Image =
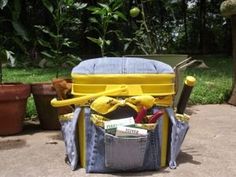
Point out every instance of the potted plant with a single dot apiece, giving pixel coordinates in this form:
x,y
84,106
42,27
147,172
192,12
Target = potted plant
x,y
54,45
13,99
13,96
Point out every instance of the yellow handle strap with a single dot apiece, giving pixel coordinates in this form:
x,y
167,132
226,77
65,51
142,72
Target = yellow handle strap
x,y
83,100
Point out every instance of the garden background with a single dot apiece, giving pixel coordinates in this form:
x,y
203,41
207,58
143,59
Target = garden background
x,y
43,39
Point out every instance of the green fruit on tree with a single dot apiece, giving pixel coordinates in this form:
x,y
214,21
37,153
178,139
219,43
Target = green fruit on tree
x,y
134,12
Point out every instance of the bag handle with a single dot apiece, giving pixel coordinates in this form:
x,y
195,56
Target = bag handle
x,y
83,100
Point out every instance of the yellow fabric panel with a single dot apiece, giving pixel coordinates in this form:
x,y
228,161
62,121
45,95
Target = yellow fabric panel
x,y
150,89
82,139
164,143
122,78
165,101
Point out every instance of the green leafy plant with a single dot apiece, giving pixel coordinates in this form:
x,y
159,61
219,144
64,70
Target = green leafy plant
x,y
104,15
18,30
151,32
142,39
5,55
56,44
3,3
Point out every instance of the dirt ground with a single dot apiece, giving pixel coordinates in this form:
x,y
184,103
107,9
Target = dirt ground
x,y
209,149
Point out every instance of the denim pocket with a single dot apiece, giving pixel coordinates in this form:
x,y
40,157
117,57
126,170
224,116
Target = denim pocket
x,y
124,153
106,153
103,156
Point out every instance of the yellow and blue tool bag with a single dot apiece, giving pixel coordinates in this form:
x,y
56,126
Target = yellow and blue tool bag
x,y
123,118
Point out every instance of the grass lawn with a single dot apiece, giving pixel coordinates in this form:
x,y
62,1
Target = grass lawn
x,y
213,83
29,75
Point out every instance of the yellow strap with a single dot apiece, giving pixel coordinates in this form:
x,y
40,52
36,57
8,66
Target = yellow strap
x,y
104,104
81,101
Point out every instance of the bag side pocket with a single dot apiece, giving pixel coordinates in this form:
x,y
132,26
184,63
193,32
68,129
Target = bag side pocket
x,y
178,132
69,133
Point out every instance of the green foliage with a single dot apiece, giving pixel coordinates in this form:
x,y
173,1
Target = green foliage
x,y
3,3
13,27
66,26
5,54
178,27
103,16
55,40
15,10
154,29
142,39
30,108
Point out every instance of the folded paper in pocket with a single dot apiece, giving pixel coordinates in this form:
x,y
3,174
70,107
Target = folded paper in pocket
x,y
111,125
122,131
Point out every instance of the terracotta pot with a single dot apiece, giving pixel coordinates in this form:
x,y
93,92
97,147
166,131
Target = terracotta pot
x,y
13,99
43,93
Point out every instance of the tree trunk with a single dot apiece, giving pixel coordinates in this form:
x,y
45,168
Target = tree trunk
x,y
232,99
